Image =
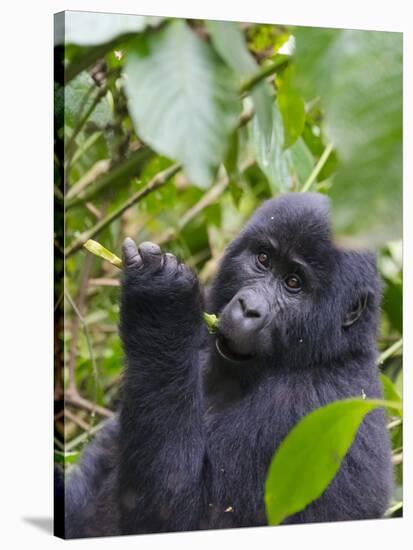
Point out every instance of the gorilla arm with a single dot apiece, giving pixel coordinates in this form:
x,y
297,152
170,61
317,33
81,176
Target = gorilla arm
x,y
161,441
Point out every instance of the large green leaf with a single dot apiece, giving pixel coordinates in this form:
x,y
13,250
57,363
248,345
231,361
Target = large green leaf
x,y
89,29
309,457
183,99
229,42
358,75
286,169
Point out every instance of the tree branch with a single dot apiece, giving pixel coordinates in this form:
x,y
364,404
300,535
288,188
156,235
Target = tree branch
x,y
158,181
121,173
389,351
279,64
317,168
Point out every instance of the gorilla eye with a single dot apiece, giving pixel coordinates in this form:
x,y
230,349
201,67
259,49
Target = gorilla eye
x,y
293,283
263,259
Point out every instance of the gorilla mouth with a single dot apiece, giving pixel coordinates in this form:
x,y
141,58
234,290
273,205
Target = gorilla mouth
x,y
226,352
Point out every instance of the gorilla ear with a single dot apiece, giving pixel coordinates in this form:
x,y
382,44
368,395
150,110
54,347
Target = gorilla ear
x,y
356,311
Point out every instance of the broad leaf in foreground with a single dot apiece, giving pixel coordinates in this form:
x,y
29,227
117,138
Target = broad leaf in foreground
x,y
358,76
309,457
182,98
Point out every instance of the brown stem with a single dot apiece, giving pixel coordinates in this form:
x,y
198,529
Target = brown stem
x,y
76,323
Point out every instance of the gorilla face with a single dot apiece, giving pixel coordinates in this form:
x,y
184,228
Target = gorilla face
x,y
284,290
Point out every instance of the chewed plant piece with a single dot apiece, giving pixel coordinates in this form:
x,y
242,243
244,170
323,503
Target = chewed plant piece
x,y
212,322
96,248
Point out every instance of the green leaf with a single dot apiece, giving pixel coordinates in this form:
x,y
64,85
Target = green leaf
x,y
292,109
69,457
271,159
392,303
79,96
309,457
229,42
389,389
89,29
286,169
358,76
301,162
182,98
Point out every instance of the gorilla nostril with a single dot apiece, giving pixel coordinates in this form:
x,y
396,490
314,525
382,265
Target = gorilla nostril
x,y
247,310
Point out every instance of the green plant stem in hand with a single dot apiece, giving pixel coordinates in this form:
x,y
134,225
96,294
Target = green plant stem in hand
x,y
96,248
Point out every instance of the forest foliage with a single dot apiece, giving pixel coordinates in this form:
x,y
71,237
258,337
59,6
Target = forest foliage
x,y
174,131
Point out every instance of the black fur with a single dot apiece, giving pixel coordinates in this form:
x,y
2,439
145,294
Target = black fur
x,y
202,415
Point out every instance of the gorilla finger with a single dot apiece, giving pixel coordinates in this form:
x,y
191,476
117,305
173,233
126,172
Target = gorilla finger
x,y
151,255
130,253
171,261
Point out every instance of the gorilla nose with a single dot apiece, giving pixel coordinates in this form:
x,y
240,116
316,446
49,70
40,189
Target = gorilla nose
x,y
250,310
242,320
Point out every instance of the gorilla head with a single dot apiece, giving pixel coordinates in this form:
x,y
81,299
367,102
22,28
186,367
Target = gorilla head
x,y
287,295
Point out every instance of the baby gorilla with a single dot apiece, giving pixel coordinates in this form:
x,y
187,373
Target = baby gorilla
x,y
202,415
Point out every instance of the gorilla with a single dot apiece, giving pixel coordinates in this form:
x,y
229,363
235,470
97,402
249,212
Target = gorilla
x,y
201,415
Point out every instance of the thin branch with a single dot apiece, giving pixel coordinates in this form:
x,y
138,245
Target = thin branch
x,y
59,444
82,438
281,62
393,509
317,168
72,396
80,402
158,181
76,323
394,423
120,174
104,281
211,196
77,420
98,169
390,351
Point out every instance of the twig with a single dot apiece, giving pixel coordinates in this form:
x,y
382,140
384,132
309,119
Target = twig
x,y
158,181
394,423
98,169
210,196
84,436
121,173
317,168
77,420
389,351
78,401
72,396
206,200
281,62
59,444
393,509
77,319
104,281
397,459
